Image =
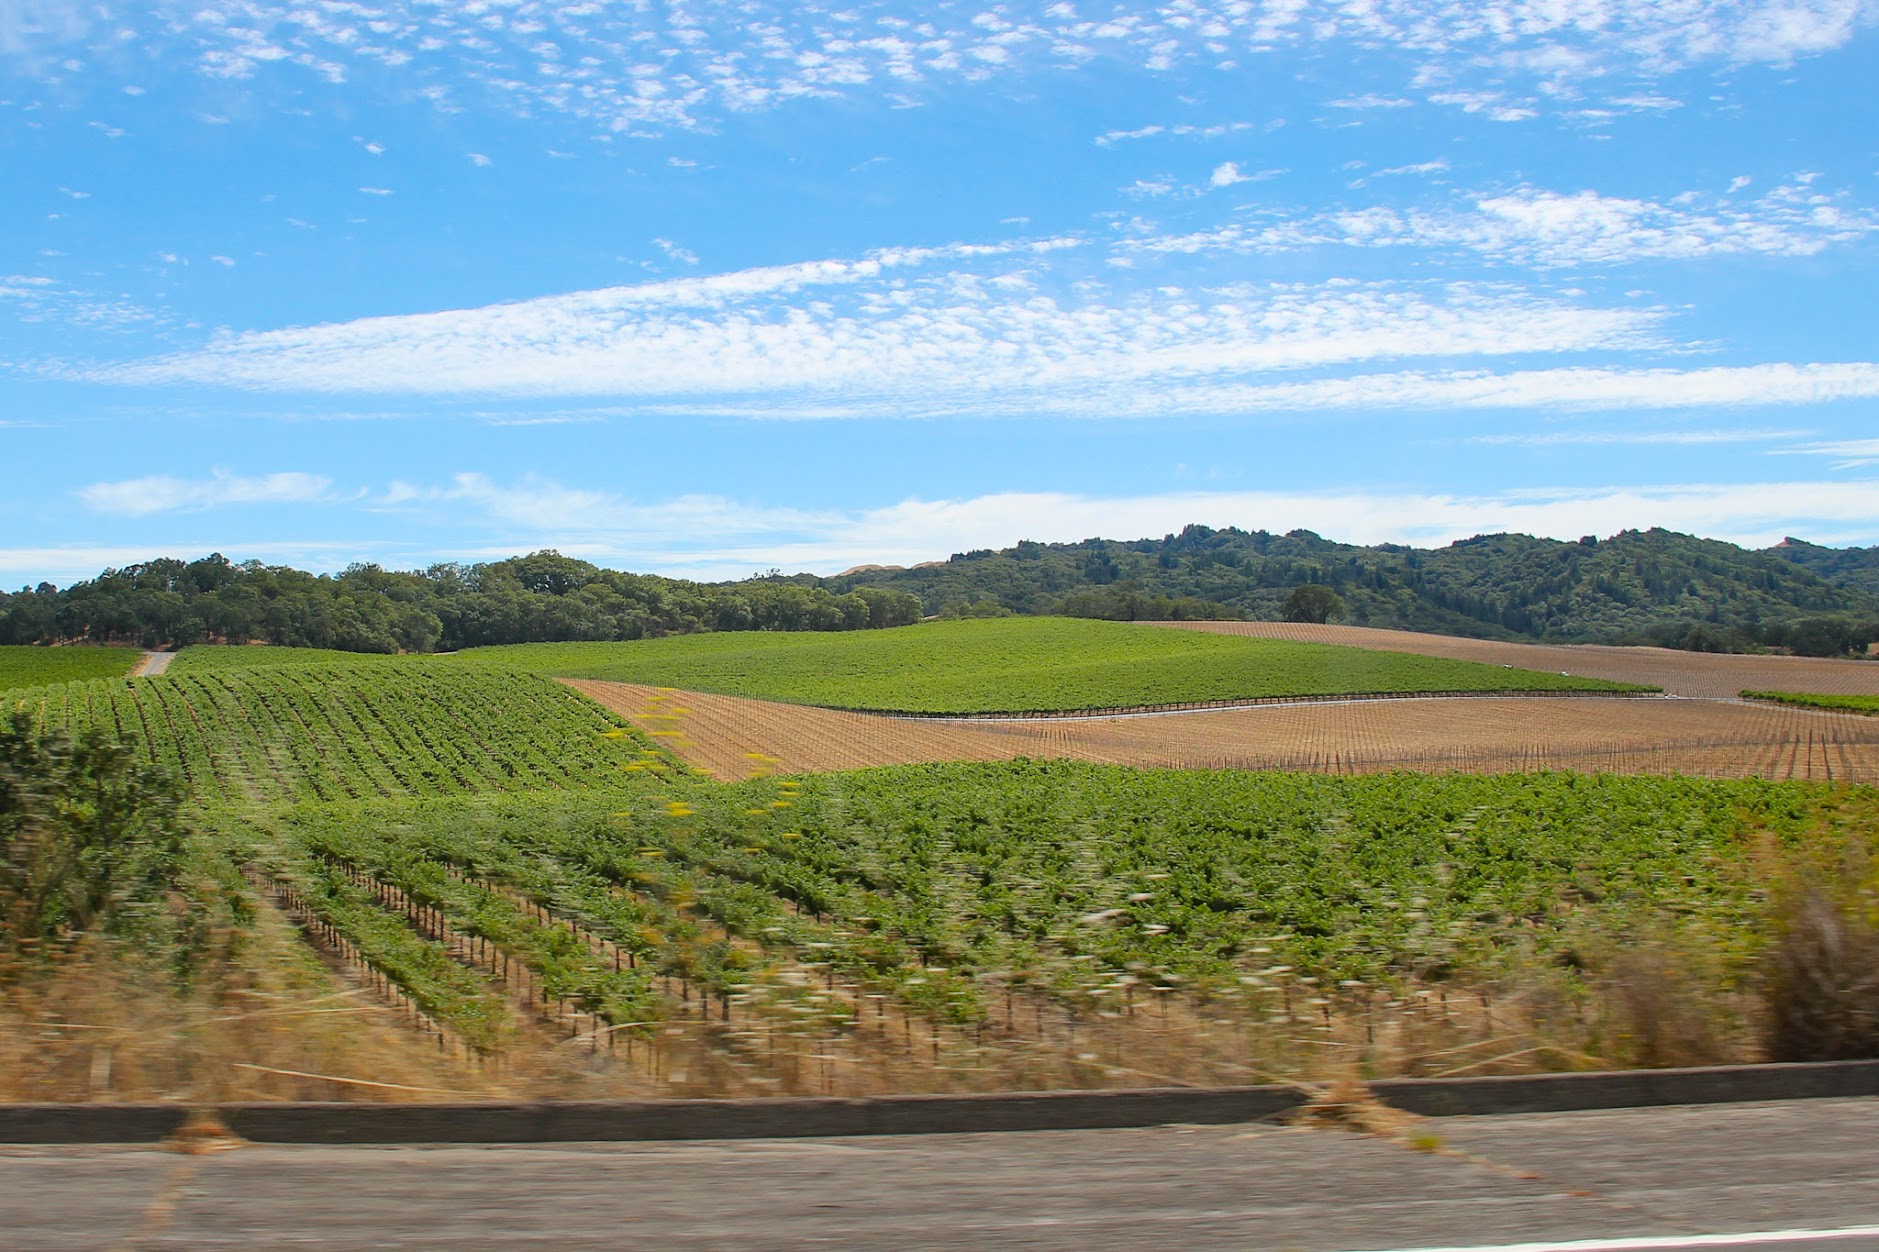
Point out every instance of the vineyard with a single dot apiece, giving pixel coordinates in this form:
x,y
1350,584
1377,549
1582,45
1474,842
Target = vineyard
x,y
1697,674
1014,665
588,887
26,666
975,926
292,732
1868,705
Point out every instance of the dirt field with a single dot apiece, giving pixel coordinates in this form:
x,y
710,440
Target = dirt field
x,y
1476,735
1679,673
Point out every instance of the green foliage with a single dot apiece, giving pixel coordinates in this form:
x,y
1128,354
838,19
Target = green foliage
x,y
1081,881
1314,604
1637,586
1015,664
1848,704
90,838
1634,584
25,665
1851,567
985,608
454,995
212,659
1124,602
543,596
362,727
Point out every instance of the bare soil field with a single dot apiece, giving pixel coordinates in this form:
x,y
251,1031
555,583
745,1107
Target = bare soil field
x,y
1696,674
734,737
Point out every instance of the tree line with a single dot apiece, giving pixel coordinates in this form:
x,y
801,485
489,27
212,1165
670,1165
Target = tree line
x,y
543,597
1638,586
1642,587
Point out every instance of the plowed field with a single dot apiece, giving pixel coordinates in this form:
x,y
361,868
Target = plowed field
x,y
1679,673
1475,735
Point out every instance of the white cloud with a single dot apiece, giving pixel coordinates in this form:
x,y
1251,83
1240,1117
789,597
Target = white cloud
x,y
1575,389
1372,101
1551,230
1437,166
1186,130
161,493
640,68
683,256
1225,175
1604,438
965,329
1847,453
376,191
715,537
37,298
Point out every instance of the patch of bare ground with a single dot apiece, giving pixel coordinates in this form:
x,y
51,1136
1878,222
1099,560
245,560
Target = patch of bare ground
x,y
727,735
1697,674
1472,735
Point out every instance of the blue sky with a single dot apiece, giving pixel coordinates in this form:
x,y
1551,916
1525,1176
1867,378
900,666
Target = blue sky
x,y
712,288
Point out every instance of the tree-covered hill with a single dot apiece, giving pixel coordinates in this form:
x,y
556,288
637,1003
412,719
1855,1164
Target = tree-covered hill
x,y
543,597
1643,586
1650,586
1853,567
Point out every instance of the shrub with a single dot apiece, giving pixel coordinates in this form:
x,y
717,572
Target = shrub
x,y
1823,979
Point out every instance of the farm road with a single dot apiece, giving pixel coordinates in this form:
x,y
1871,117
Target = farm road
x,y
1667,1172
153,663
1695,674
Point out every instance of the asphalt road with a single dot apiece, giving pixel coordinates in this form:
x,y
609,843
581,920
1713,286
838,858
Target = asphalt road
x,y
1675,1177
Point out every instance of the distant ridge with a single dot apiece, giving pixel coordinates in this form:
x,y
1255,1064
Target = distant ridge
x,y
1651,586
1639,586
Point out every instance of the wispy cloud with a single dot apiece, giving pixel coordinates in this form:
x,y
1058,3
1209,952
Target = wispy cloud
x,y
37,298
161,493
719,537
1606,438
1183,130
966,329
639,68
1576,389
1551,230
1847,453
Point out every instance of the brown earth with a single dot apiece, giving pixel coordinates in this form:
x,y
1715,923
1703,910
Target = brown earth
x,y
1679,673
735,737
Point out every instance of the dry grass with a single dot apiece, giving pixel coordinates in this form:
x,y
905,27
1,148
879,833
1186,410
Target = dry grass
x,y
1823,978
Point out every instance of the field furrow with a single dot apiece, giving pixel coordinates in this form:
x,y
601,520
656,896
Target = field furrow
x,y
732,737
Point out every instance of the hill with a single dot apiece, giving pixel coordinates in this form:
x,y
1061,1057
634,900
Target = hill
x,y
1851,567
1652,586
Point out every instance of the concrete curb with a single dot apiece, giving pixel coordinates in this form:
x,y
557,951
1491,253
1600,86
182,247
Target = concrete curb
x,y
1629,1089
784,1118
567,1121
89,1123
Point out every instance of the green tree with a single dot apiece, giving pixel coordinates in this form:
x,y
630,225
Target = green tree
x,y
1313,603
